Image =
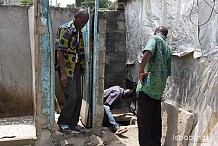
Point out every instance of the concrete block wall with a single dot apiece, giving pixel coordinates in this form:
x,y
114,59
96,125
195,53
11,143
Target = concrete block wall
x,y
115,44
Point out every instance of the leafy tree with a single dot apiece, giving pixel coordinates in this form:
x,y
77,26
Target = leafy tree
x,y
70,6
27,2
88,3
78,3
91,3
104,3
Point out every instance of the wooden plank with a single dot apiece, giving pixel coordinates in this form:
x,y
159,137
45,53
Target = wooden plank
x,y
36,55
85,80
84,112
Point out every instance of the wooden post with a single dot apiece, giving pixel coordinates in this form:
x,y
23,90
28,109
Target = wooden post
x,y
36,52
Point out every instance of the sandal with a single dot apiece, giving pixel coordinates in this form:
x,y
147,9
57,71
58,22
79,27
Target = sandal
x,y
65,129
79,128
121,131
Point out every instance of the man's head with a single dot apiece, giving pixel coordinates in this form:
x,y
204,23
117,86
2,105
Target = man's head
x,y
127,93
161,30
81,18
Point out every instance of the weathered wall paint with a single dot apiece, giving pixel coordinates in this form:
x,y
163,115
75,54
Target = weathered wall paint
x,y
15,62
45,74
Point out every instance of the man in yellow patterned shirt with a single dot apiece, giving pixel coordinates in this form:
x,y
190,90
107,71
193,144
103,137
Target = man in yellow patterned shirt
x,y
71,65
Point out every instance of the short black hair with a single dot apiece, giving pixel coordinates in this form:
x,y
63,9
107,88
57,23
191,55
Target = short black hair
x,y
162,30
129,93
82,13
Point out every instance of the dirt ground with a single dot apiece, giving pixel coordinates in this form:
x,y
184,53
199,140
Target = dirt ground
x,y
108,138
129,138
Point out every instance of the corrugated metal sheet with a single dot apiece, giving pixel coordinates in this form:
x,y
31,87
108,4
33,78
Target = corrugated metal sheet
x,y
192,30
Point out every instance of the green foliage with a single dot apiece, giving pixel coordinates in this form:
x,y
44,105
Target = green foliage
x,y
91,3
27,2
78,3
88,3
70,6
104,3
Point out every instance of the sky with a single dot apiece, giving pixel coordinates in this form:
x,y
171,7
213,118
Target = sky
x,y
65,2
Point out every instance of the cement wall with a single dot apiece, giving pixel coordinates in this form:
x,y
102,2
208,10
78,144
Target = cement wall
x,y
11,2
115,69
15,62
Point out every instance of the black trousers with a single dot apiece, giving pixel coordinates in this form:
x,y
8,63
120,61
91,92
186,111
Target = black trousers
x,y
73,99
149,120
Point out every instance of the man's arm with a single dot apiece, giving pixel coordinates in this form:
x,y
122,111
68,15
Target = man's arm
x,y
81,55
148,51
145,59
61,46
63,76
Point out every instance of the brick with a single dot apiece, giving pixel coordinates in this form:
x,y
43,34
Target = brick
x,y
102,15
115,79
101,57
118,57
101,71
115,68
102,42
116,15
119,37
111,26
102,26
120,47
121,26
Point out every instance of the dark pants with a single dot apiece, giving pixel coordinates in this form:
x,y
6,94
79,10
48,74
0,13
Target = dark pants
x,y
73,99
149,120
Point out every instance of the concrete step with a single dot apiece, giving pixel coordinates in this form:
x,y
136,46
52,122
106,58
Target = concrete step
x,y
122,115
17,131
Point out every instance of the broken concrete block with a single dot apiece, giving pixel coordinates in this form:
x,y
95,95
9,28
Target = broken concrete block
x,y
177,125
205,133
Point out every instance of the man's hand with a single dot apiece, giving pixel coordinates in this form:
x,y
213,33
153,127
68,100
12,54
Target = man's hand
x,y
142,76
145,59
64,80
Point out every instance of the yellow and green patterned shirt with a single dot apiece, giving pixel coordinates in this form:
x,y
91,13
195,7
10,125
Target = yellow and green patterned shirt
x,y
159,65
70,42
